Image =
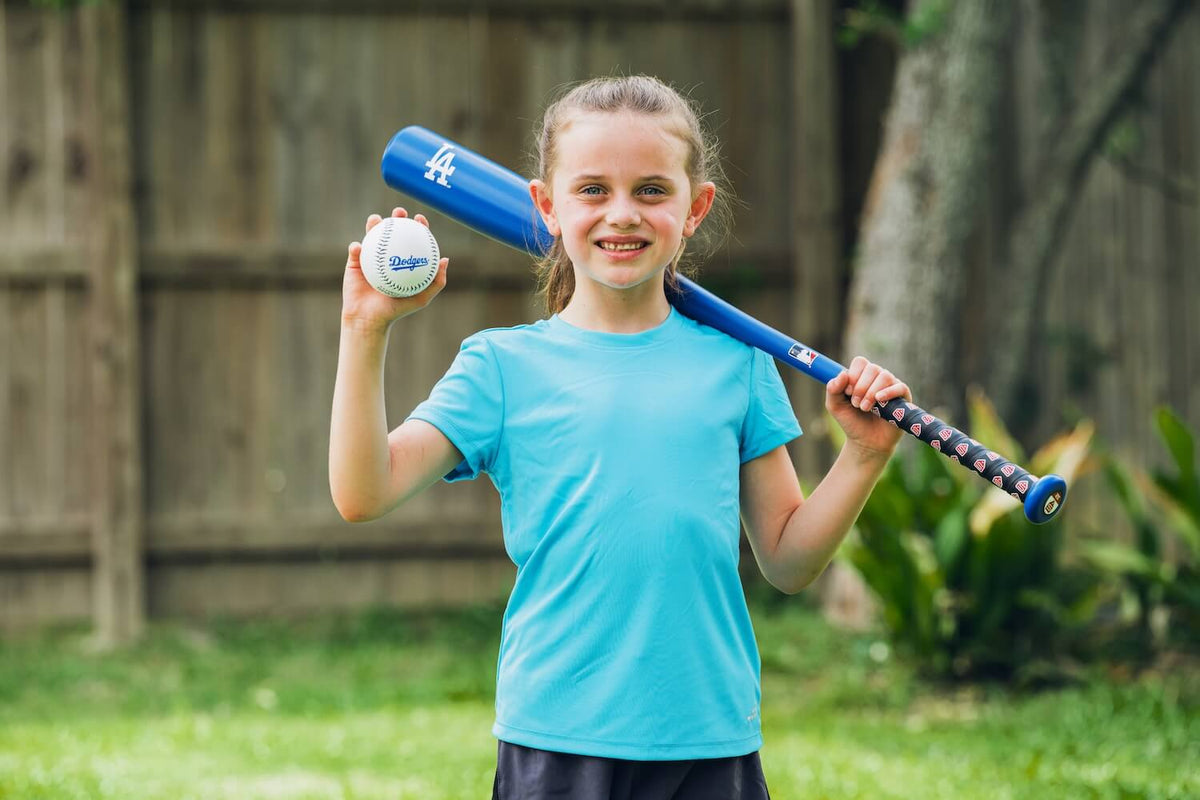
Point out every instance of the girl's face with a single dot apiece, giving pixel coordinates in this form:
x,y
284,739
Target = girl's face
x,y
620,197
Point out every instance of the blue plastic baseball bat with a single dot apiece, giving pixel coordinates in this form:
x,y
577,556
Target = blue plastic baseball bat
x,y
495,201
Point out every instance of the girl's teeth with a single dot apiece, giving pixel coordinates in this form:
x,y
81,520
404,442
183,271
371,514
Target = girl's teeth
x,y
629,246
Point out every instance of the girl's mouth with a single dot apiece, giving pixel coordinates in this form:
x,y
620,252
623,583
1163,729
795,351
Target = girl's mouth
x,y
620,247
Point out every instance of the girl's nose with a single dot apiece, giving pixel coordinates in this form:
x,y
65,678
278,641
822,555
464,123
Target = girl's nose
x,y
623,214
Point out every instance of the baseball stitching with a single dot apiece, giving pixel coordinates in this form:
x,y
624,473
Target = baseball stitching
x,y
381,270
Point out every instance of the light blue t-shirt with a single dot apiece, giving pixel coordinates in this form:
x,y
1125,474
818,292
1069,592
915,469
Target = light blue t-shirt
x,y
616,457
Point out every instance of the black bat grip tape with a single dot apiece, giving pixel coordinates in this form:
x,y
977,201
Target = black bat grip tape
x,y
1041,497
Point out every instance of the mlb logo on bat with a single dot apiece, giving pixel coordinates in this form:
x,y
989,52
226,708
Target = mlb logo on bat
x,y
802,354
441,166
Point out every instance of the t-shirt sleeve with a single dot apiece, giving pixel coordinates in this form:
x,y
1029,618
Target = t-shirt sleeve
x,y
770,420
467,405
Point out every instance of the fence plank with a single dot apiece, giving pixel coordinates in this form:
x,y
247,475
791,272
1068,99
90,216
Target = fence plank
x,y
1188,251
27,376
55,405
74,178
25,173
5,135
9,428
1181,141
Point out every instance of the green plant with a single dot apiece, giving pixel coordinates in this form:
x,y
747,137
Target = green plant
x,y
965,584
1161,567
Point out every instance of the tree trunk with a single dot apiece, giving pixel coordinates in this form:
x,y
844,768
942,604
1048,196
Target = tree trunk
x,y
925,200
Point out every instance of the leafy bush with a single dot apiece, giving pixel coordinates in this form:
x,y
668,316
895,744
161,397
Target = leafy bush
x,y
966,585
1161,568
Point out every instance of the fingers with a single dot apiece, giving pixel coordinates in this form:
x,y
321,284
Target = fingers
x,y
440,281
891,391
863,377
838,385
352,256
398,211
867,384
435,288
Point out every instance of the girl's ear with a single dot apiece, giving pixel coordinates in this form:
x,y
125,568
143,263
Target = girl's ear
x,y
701,204
545,206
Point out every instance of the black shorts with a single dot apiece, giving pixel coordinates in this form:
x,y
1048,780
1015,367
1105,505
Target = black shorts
x,y
523,773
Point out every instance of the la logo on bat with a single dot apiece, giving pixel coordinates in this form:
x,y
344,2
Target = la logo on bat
x,y
441,166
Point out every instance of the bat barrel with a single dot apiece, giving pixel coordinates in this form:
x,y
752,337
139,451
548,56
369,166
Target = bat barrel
x,y
477,192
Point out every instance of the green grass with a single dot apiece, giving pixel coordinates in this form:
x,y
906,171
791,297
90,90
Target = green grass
x,y
391,705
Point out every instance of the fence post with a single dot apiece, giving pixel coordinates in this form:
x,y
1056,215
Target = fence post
x,y
115,447
816,177
817,269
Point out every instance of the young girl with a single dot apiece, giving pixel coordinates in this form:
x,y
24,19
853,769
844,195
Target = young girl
x,y
628,444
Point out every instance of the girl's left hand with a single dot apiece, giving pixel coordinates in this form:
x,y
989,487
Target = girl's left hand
x,y
849,398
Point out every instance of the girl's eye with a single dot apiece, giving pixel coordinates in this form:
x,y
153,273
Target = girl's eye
x,y
652,190
592,190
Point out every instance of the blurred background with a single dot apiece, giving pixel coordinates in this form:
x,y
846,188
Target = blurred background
x,y
997,199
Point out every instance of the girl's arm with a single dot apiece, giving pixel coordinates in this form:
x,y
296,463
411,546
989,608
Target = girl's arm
x,y
794,538
371,471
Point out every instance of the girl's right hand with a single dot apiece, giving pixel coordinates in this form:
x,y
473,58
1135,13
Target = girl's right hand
x,y
363,306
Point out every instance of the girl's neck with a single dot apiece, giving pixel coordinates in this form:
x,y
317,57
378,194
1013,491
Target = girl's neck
x,y
632,310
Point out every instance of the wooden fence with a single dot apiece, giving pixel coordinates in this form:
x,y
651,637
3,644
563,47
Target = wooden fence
x,y
179,183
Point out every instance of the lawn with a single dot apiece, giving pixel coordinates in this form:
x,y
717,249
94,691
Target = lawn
x,y
384,704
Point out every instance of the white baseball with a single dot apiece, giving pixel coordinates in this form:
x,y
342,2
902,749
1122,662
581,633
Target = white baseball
x,y
399,257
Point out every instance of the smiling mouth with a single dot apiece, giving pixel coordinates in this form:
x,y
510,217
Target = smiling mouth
x,y
618,247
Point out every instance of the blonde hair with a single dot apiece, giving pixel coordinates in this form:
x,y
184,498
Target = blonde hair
x,y
640,94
